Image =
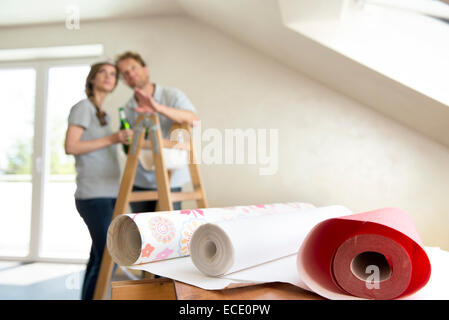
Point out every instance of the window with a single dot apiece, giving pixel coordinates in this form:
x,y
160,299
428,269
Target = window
x,y
37,179
64,234
400,39
17,89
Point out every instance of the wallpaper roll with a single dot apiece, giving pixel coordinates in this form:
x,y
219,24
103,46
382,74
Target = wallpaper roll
x,y
336,259
173,158
224,247
135,239
374,255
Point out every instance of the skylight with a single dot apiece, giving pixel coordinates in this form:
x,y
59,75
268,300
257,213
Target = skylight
x,y
400,39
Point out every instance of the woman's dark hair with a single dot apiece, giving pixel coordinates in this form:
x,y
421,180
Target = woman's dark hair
x,y
89,88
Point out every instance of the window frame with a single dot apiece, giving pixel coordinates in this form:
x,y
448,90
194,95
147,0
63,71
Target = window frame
x,y
40,161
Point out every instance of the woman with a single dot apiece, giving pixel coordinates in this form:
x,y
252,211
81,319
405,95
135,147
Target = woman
x,y
90,138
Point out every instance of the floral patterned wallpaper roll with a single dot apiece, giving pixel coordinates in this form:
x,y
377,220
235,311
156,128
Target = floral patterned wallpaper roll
x,y
146,237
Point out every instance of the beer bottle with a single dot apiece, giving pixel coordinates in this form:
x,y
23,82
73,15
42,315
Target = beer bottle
x,y
124,125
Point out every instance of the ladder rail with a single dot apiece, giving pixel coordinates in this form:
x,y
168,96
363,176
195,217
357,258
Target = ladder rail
x,y
163,195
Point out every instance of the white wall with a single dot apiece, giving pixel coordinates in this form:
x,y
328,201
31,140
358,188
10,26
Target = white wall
x,y
333,150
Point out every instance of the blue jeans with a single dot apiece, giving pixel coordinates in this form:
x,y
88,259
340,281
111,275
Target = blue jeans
x,y
97,214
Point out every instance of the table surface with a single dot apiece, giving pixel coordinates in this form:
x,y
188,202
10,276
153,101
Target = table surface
x,y
168,289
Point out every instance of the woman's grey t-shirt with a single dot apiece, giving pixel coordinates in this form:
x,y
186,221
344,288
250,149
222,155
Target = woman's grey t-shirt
x,y
98,172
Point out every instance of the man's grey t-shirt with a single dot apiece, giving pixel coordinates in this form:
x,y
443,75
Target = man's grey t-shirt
x,y
98,172
171,97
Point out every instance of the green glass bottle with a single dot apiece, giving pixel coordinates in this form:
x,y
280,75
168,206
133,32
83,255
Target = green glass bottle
x,y
124,125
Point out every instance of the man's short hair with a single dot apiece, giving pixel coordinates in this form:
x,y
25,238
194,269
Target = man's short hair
x,y
132,55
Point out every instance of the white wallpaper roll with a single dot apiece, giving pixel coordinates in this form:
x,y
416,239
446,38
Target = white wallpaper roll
x,y
147,237
224,247
173,158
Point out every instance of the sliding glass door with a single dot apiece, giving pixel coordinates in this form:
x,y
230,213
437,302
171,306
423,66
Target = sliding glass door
x,y
64,235
39,221
17,91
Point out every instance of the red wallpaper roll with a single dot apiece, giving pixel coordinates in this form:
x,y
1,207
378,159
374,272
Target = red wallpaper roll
x,y
374,255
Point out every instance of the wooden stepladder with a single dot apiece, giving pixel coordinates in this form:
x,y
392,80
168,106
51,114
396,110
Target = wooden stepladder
x,y
163,195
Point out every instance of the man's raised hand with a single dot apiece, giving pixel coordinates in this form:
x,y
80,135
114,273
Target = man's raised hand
x,y
146,103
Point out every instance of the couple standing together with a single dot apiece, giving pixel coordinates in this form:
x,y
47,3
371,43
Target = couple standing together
x,y
90,139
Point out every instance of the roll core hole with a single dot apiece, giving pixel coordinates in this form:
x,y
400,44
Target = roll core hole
x,y
210,250
127,242
371,264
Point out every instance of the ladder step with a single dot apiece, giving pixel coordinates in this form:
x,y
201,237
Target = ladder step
x,y
143,196
136,196
183,196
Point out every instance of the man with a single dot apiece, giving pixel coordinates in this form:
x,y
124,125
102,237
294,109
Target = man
x,y
171,105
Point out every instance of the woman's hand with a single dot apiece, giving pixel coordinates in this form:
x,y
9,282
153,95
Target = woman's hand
x,y
74,145
123,136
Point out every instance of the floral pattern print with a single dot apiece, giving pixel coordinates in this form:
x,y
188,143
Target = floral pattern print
x,y
146,252
195,212
186,234
298,205
170,232
163,229
164,254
